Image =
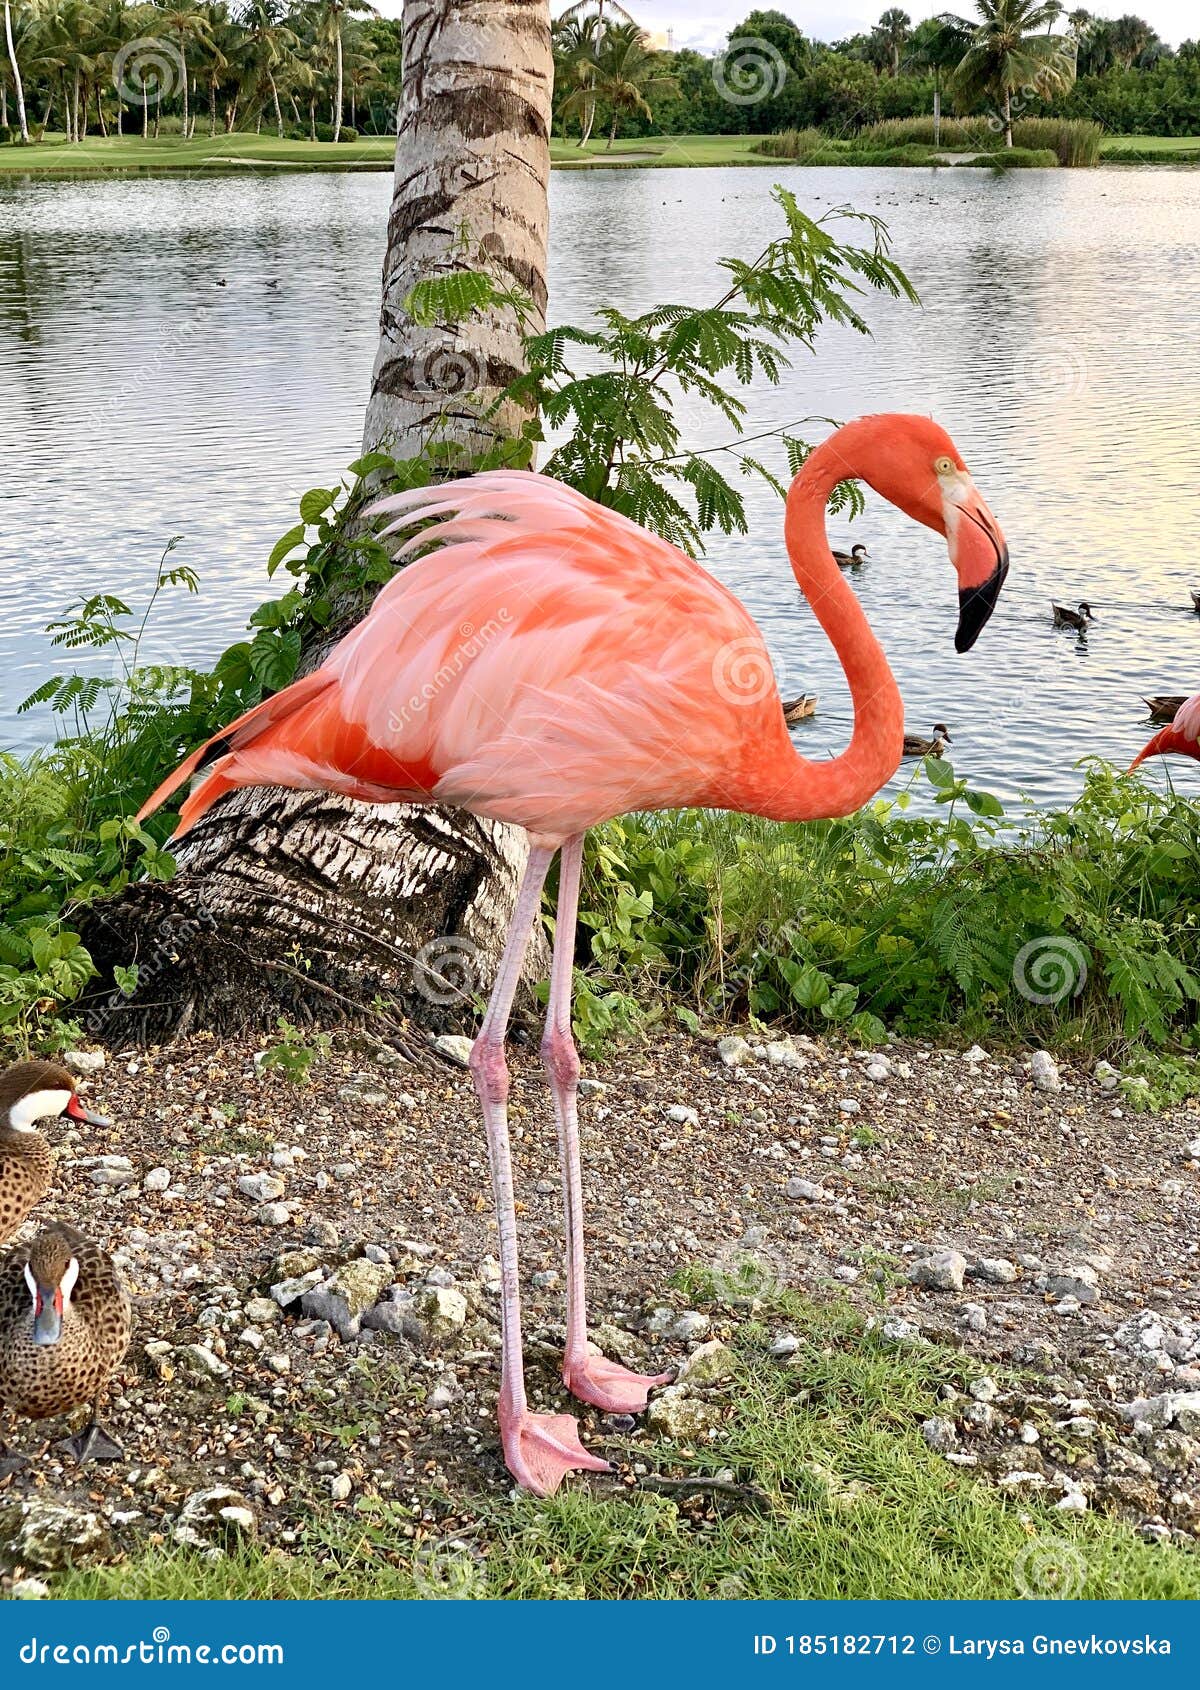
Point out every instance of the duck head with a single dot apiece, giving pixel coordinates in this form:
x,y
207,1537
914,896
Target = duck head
x,y
941,731
35,1091
50,1274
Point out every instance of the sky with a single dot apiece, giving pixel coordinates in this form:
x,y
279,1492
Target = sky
x,y
705,23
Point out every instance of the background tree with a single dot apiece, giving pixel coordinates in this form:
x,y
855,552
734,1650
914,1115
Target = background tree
x,y
893,30
1009,48
15,70
937,45
625,78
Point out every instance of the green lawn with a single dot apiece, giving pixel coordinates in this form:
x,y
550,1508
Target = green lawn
x,y
673,150
835,1494
1151,149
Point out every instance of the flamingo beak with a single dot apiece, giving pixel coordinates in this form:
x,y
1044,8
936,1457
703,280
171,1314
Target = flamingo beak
x,y
76,1111
980,555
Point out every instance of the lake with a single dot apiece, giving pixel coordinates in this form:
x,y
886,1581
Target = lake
x,y
1057,341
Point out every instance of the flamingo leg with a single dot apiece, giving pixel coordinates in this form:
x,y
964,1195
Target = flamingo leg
x,y
540,1449
587,1375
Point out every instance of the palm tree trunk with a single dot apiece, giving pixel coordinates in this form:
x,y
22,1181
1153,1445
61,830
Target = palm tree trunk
x,y
184,69
312,118
356,889
100,113
337,98
4,100
1008,141
18,86
75,108
212,110
157,108
145,111
612,133
278,113
937,109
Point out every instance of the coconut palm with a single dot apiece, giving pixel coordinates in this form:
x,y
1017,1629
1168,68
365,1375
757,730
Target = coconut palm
x,y
1005,51
18,85
269,41
937,45
625,79
892,31
1129,37
575,41
188,25
330,13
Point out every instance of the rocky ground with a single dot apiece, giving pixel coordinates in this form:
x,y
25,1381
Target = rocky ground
x,y
315,1283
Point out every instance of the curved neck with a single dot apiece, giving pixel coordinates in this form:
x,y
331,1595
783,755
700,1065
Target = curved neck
x,y
840,785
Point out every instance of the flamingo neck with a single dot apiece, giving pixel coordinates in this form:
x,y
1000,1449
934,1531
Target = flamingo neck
x,y
840,785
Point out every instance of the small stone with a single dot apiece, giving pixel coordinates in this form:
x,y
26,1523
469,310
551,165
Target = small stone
x,y
709,1364
691,1324
340,1487
805,1191
734,1051
29,1590
1171,1408
344,1297
216,1518
263,1311
113,1171
456,1047
1044,1071
782,1053
201,1362
1106,1076
677,1415
158,1179
975,1055
846,1273
288,1291
785,1345
273,1214
878,1069
546,1279
940,1433
996,1270
443,1310
849,1105
973,1317
263,1188
905,1332
592,1088
681,1113
943,1271
50,1535
1074,1502
984,1389
1080,1281
84,1061
377,1254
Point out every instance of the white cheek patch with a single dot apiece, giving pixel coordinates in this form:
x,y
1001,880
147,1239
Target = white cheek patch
x,y
32,1284
37,1106
68,1282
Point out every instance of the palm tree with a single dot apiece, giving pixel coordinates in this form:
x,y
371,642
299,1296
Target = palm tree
x,y
1005,53
893,30
1129,38
18,85
331,31
625,77
937,45
269,40
186,23
575,40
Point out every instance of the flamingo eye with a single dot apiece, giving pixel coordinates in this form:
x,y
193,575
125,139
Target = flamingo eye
x,y
945,466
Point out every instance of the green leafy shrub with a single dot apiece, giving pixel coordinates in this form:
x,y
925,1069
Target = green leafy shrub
x,y
1073,141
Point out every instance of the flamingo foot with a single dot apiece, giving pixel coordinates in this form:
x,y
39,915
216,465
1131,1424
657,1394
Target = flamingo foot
x,y
541,1449
607,1385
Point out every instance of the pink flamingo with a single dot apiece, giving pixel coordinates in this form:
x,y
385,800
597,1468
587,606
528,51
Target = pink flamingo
x,y
1181,735
553,665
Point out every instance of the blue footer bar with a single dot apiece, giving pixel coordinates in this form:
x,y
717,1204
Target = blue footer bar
x,y
574,1644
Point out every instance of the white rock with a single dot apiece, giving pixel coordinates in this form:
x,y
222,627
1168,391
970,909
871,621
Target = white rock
x,y
805,1191
158,1179
996,1270
782,1053
943,1271
1171,1408
975,1054
273,1214
878,1069
734,1051
1106,1076
263,1188
340,1487
456,1046
84,1061
683,1115
1044,1070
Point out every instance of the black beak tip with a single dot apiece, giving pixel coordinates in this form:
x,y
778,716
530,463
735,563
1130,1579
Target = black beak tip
x,y
976,604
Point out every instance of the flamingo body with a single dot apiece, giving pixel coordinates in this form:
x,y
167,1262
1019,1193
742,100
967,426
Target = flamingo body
x,y
552,664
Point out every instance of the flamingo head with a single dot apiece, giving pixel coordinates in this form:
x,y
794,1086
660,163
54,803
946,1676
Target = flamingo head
x,y
914,464
1180,738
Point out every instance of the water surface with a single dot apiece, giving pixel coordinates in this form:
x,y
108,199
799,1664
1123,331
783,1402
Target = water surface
x,y
140,399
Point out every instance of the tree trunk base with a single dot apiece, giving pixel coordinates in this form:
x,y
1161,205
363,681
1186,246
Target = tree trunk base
x,y
313,907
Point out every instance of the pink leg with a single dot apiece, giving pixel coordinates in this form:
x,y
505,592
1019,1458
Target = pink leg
x,y
540,1449
590,1377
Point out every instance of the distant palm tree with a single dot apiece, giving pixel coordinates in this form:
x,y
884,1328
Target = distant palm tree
x,y
893,30
187,24
270,41
575,41
625,79
1129,38
1005,52
331,12
18,85
938,45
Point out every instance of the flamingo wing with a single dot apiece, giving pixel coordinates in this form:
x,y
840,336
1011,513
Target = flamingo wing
x,y
550,663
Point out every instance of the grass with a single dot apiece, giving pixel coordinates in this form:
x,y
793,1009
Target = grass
x,y
841,1498
1151,149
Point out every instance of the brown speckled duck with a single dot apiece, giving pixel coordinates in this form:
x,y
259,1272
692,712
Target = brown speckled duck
x,y
65,1322
30,1092
799,709
916,746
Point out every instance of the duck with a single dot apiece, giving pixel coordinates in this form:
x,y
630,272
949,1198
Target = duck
x,y
798,709
65,1324
1077,619
32,1091
851,559
1195,592
1163,705
915,746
